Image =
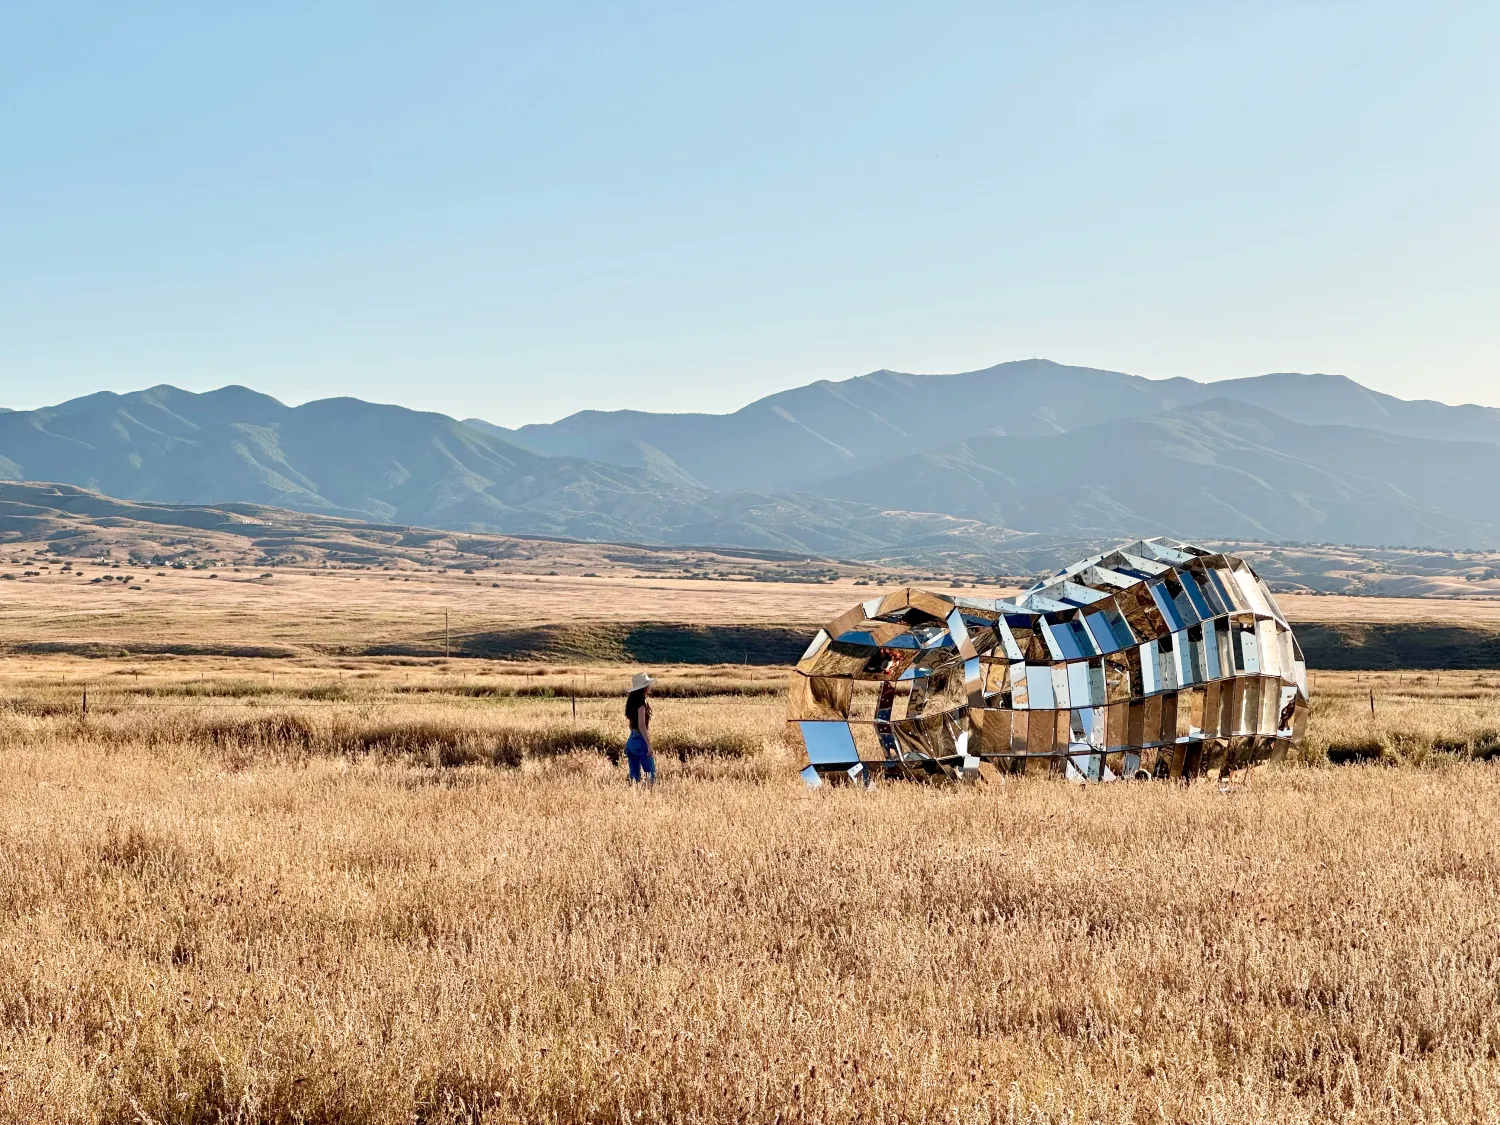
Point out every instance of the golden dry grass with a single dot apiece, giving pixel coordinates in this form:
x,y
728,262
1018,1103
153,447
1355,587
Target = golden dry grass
x,y
358,609
1336,609
1404,716
376,891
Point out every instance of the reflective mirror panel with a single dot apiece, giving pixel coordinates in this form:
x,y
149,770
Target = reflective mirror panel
x,y
868,743
1156,644
829,744
819,697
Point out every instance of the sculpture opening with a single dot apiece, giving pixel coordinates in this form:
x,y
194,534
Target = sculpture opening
x,y
1156,659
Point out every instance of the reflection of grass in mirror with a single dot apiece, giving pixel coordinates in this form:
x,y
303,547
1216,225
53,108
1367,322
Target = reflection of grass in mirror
x,y
225,903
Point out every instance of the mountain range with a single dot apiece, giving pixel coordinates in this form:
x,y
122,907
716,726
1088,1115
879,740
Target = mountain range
x,y
886,465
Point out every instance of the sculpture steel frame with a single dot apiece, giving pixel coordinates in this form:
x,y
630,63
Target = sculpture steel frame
x,y
1156,659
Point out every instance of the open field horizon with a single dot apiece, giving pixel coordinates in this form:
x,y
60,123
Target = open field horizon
x,y
289,611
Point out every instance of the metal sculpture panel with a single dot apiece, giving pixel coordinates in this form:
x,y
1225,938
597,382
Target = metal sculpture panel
x,y
1156,659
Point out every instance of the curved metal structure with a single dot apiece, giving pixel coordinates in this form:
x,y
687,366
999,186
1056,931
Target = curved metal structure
x,y
1156,659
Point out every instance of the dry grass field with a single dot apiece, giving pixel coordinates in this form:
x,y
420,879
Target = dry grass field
x,y
301,608
350,890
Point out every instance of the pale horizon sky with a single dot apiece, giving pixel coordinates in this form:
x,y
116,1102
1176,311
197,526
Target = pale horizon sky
x,y
518,211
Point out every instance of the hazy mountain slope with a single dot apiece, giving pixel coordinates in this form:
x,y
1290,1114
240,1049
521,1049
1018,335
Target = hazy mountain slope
x,y
1217,468
825,427
626,452
800,435
1320,400
880,466
386,463
337,455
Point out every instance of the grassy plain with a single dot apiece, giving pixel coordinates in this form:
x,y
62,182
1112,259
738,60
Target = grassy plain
x,y
350,890
315,610
295,609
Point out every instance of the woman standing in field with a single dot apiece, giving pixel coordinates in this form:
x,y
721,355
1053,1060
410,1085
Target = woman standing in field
x,y
638,715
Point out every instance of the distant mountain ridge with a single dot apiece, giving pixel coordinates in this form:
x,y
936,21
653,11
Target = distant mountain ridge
x,y
346,457
794,438
884,465
1245,472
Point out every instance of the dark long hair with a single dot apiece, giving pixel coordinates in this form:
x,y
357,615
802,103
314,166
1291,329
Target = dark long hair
x,y
633,704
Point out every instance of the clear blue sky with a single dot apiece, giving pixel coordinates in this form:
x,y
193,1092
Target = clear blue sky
x,y
519,210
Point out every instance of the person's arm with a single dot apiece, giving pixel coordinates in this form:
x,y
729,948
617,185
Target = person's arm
x,y
643,724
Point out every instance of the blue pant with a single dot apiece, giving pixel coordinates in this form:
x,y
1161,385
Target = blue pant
x,y
639,756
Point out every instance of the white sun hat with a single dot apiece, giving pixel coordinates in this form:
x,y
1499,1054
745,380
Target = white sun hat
x,y
641,680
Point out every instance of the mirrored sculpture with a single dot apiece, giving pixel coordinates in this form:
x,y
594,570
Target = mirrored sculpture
x,y
1156,659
